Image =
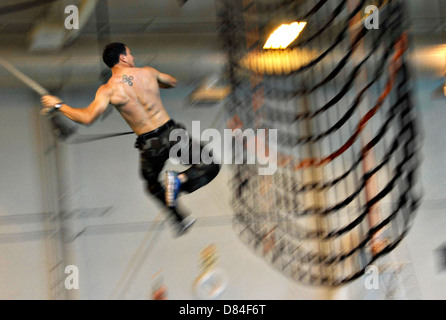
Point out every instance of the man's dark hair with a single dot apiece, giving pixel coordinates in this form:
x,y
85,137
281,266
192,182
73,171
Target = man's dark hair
x,y
112,52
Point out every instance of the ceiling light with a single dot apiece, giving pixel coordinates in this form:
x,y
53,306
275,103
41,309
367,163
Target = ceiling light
x,y
284,35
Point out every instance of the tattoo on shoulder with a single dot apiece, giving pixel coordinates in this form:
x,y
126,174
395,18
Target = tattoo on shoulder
x,y
128,80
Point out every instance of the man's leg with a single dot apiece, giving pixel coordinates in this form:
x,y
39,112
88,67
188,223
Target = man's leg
x,y
190,180
197,176
183,222
150,170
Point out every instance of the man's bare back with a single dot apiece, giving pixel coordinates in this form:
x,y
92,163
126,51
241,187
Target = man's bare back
x,y
136,95
135,92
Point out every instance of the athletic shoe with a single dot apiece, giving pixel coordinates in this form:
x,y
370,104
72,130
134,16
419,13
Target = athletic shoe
x,y
184,225
173,185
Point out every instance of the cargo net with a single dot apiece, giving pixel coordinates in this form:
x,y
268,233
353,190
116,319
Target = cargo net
x,y
345,190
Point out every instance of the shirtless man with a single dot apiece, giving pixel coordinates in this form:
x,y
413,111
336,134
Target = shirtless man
x,y
135,93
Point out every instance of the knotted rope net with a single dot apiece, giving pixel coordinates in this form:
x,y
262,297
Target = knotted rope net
x,y
345,191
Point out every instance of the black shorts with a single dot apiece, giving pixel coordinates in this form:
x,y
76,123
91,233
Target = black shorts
x,y
155,148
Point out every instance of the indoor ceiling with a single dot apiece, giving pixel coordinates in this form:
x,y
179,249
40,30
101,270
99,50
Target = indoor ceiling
x,y
176,36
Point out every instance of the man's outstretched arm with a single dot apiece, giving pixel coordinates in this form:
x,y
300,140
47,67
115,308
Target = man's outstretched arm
x,y
165,81
86,115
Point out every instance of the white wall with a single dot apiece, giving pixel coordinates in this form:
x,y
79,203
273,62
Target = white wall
x,y
23,265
